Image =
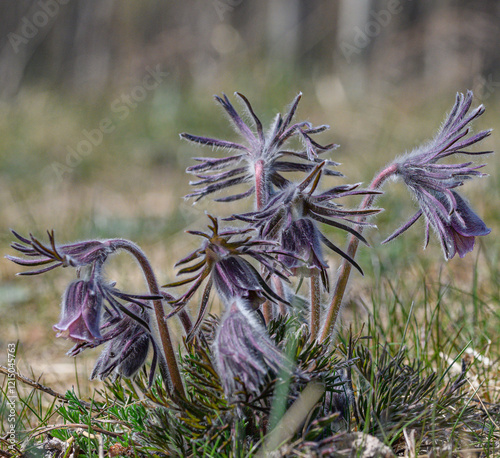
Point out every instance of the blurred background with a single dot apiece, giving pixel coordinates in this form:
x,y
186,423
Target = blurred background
x,y
93,95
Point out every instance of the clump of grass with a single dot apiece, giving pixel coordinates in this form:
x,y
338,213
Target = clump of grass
x,y
149,421
386,393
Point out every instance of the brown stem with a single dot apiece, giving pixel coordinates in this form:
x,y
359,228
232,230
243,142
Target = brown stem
x,y
49,428
267,311
159,323
315,304
345,270
280,291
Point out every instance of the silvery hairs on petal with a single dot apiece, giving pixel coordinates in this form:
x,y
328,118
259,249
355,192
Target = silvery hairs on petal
x,y
433,184
244,354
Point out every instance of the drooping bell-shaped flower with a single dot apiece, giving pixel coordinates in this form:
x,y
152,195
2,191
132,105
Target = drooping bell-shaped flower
x,y
127,347
220,260
85,302
244,354
292,215
433,185
457,227
87,298
81,312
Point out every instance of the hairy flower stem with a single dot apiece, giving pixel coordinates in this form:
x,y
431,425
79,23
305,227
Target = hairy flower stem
x,y
168,364
261,197
315,304
345,270
278,287
261,190
267,311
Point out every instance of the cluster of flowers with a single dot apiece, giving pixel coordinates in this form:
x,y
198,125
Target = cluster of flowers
x,y
249,262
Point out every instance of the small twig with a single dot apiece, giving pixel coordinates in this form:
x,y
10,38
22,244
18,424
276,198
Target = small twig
x,y
38,386
5,440
6,454
75,426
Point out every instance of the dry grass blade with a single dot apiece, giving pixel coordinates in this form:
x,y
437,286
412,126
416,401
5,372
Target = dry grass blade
x,y
293,418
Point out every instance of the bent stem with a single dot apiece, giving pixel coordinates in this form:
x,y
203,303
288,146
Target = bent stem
x,y
345,270
168,364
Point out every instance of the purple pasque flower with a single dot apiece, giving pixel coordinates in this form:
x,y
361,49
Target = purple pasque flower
x,y
464,225
81,312
77,254
292,216
220,261
88,297
433,184
127,347
243,352
86,300
263,156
